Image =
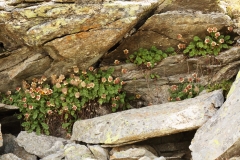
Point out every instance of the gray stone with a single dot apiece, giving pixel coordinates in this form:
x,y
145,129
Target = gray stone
x,y
4,107
10,146
219,137
77,151
134,153
40,145
99,152
152,121
235,158
59,155
10,156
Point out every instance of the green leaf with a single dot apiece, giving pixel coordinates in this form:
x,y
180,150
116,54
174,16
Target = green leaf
x,y
100,101
186,51
227,37
200,44
19,116
65,125
196,38
35,114
225,46
44,125
169,50
42,109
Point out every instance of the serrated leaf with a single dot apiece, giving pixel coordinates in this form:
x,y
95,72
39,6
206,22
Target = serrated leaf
x,y
196,38
227,37
35,114
44,125
65,125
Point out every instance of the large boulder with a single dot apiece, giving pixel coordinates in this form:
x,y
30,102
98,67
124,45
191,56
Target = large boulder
x,y
152,121
219,137
53,36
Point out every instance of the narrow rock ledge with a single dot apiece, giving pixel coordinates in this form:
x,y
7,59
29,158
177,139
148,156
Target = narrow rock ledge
x,y
152,121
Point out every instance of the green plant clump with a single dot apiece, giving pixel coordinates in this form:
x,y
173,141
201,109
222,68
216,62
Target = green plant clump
x,y
149,58
212,45
39,102
224,85
186,89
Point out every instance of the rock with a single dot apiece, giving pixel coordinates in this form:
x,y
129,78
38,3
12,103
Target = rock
x,y
235,158
21,64
216,139
161,30
4,107
56,156
9,156
77,151
62,34
40,145
205,6
10,146
152,121
99,152
132,153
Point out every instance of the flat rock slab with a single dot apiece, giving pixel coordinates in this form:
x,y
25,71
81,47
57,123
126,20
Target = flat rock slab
x,y
219,137
152,121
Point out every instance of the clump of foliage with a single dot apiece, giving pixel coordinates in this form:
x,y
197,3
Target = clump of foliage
x,y
149,57
186,89
38,101
211,45
224,85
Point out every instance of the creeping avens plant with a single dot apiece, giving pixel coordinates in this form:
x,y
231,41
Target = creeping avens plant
x,y
149,57
211,45
38,101
187,88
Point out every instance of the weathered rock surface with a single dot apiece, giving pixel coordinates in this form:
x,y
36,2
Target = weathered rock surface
x,y
10,146
152,121
10,156
222,67
99,152
133,152
219,137
41,145
161,30
55,36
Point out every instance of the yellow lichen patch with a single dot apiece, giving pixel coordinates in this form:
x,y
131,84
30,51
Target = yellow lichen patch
x,y
111,138
215,141
5,16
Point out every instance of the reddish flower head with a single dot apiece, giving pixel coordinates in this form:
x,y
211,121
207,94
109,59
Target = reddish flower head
x,y
213,43
181,79
104,79
149,64
221,40
179,36
77,94
207,41
116,62
210,30
217,34
74,107
125,51
110,79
